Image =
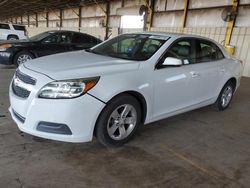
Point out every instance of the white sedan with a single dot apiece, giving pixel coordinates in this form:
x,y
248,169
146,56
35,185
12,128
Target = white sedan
x,y
109,90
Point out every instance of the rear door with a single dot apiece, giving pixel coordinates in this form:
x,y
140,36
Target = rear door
x,y
203,71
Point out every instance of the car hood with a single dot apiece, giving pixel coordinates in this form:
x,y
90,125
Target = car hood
x,y
79,64
17,42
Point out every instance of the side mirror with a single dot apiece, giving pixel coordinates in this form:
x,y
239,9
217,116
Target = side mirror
x,y
171,61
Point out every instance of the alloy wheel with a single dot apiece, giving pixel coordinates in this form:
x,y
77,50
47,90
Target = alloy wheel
x,y
226,96
122,122
23,58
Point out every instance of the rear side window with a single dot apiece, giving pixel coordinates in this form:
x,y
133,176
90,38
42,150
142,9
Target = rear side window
x,y
81,39
208,51
4,26
19,27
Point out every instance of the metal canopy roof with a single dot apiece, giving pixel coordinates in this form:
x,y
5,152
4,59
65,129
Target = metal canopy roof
x,y
13,8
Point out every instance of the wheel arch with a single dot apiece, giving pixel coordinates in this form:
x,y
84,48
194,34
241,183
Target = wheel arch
x,y
22,50
233,80
9,35
138,96
141,99
230,79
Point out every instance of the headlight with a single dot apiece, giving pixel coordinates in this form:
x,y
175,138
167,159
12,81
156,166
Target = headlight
x,y
67,89
3,47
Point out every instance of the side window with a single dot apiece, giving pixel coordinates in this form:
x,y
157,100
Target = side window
x,y
81,39
19,27
55,38
65,38
4,26
208,51
183,49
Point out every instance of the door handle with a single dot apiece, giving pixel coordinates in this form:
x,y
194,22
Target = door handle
x,y
194,74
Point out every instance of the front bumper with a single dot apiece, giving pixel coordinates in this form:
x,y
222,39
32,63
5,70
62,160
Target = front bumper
x,y
5,58
78,114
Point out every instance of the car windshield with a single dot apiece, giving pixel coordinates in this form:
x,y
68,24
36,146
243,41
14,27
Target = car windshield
x,y
40,36
137,47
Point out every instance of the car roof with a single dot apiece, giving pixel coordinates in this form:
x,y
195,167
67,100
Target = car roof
x,y
65,31
175,35
172,35
166,34
12,24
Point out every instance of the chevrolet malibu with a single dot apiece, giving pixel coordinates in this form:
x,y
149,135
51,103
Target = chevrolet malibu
x,y
109,90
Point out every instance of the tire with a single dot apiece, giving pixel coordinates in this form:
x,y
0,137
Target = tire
x,y
225,96
12,37
22,57
111,127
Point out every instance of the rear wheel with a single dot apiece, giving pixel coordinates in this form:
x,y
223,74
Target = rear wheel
x,y
12,37
225,96
22,57
119,121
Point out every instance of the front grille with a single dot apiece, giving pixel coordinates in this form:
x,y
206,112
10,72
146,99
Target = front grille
x,y
19,117
25,78
20,92
21,83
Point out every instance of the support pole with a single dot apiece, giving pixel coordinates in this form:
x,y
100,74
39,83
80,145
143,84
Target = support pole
x,y
107,13
185,12
61,18
28,19
80,18
36,19
150,13
231,23
47,19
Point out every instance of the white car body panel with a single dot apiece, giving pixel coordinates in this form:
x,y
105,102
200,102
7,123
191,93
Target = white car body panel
x,y
84,65
4,33
167,92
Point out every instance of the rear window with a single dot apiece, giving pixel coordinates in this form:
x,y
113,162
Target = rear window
x,y
4,26
19,27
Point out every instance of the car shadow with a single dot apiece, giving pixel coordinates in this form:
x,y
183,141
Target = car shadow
x,y
7,67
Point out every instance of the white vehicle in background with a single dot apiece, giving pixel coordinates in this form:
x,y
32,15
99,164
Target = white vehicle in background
x,y
10,31
109,90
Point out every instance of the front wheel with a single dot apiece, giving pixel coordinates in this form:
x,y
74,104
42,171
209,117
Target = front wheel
x,y
22,57
225,96
118,121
